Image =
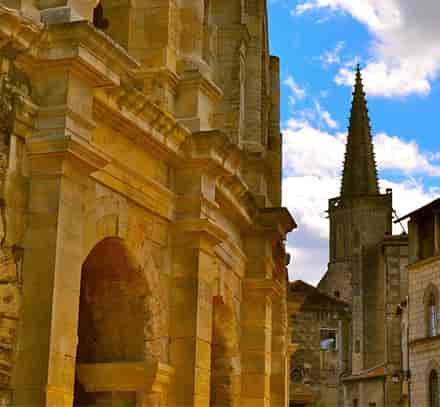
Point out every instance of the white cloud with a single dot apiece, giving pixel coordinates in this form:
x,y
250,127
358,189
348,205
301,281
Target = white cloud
x,y
325,116
333,56
312,166
381,79
297,92
393,153
307,263
405,53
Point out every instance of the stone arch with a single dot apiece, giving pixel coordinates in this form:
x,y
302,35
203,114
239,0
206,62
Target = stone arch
x,y
432,366
117,325
225,357
111,216
431,298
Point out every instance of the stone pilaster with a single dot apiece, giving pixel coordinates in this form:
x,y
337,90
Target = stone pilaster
x,y
231,75
60,159
279,385
197,97
197,93
256,342
194,271
264,312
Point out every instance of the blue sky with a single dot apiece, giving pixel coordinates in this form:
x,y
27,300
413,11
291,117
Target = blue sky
x,y
397,43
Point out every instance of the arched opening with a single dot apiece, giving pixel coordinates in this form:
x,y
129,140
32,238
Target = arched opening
x,y
432,315
431,310
225,358
99,21
111,324
433,389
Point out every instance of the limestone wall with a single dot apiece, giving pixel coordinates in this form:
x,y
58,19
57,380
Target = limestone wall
x,y
133,209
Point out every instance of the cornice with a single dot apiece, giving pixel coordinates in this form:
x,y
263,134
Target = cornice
x,y
206,228
48,155
274,221
131,112
18,29
165,74
258,286
70,40
233,193
212,151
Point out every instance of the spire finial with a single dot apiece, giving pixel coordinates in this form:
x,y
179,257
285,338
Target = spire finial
x,y
360,173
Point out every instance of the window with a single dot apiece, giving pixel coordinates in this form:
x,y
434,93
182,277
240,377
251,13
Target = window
x,y
296,375
98,17
432,316
433,389
355,403
357,346
328,339
430,301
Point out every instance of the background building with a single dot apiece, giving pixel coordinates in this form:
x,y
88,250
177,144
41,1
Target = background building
x,y
319,331
423,305
367,270
142,256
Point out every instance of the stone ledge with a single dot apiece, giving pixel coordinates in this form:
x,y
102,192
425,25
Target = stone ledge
x,y
134,115
204,227
135,376
61,149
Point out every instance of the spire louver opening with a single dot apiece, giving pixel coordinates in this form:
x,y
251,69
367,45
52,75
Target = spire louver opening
x,y
360,173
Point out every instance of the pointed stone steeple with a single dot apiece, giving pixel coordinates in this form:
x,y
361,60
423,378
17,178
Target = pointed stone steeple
x,y
360,173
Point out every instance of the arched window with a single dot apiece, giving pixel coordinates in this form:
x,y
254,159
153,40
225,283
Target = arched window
x,y
98,17
430,301
433,389
432,310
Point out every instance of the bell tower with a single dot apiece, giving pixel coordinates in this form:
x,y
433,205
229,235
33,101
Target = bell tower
x,y
359,219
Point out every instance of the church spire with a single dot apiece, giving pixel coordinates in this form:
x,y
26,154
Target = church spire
x,y
360,173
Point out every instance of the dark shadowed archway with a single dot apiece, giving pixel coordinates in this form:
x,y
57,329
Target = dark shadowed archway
x,y
112,315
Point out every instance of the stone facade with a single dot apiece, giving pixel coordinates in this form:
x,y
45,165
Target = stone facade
x,y
319,332
142,260
423,304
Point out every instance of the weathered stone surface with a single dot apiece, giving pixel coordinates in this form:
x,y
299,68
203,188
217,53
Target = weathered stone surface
x,y
141,240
